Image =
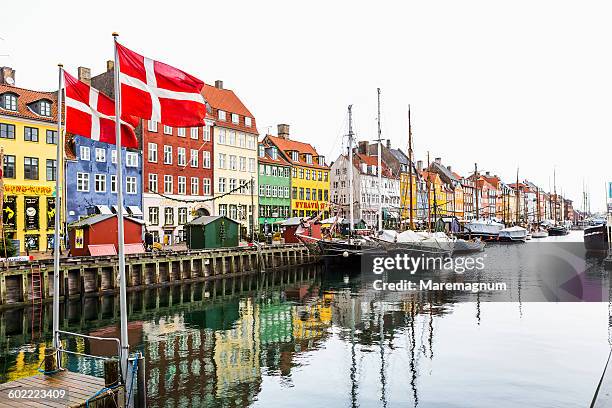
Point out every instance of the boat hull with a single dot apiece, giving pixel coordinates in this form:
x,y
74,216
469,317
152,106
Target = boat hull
x,y
463,246
596,238
557,231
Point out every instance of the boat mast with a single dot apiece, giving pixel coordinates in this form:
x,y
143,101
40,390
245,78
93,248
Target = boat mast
x,y
380,211
428,197
476,187
410,166
555,192
350,170
518,194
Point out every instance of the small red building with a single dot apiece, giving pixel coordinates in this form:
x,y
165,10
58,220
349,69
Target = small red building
x,y
290,228
97,235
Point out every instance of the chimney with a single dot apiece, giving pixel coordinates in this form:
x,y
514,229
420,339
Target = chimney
x,y
388,143
84,75
7,76
283,131
488,173
438,160
449,168
419,166
110,65
362,147
219,84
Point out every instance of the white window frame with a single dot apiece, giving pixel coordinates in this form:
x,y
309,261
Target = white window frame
x,y
152,126
131,159
193,132
153,183
180,132
100,178
85,153
114,156
181,156
113,183
167,154
167,130
131,186
182,185
235,118
83,182
206,133
222,184
206,159
193,157
247,121
252,165
100,154
222,136
206,183
152,153
168,184
221,160
221,114
195,186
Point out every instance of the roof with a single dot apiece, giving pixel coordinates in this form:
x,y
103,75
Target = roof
x,y
286,145
372,161
280,160
400,156
26,97
445,174
96,218
226,100
207,219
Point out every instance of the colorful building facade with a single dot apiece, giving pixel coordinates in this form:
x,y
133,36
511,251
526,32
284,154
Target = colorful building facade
x,y
28,135
274,182
309,174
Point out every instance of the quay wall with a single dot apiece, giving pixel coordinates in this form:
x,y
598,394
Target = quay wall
x,y
85,276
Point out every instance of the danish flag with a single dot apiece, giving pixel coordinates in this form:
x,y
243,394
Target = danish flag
x,y
91,114
156,91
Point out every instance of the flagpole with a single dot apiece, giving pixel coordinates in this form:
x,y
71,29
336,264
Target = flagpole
x,y
56,228
125,347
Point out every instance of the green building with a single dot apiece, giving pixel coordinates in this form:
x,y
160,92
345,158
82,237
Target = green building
x,y
274,188
212,232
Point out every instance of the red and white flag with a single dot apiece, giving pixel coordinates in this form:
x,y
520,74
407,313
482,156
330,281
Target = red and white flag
x,y
156,91
91,114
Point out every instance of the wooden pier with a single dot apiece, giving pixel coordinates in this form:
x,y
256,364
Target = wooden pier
x,y
83,276
81,390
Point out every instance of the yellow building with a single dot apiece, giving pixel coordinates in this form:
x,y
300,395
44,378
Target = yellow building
x,y
28,136
405,196
438,200
309,175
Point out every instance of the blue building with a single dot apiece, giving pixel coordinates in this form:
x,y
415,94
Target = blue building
x,y
91,183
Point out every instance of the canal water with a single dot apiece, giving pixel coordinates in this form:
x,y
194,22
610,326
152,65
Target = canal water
x,y
315,337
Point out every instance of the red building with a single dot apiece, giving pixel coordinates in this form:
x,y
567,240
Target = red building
x,y
178,177
97,235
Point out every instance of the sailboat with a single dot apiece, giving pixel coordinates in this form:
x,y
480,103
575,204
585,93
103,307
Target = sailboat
x,y
349,249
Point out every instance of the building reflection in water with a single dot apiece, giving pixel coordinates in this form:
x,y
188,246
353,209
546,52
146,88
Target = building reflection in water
x,y
211,344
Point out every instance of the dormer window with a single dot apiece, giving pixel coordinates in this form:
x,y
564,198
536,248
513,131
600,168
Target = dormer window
x,y
221,115
247,121
364,168
9,101
235,118
321,160
294,156
44,108
274,153
262,151
309,158
373,169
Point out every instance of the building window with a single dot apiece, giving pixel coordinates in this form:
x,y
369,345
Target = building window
x,y
206,186
223,209
235,118
301,193
241,139
233,212
180,132
152,153
82,181
262,190
51,136
301,173
252,165
242,163
168,184
7,131
247,121
222,184
114,156
262,151
182,215
131,159
182,185
9,166
181,159
45,108
195,186
9,102
206,133
130,185
113,183
294,156
168,216
167,130
167,154
232,138
206,160
252,142
30,168
193,160
152,126
100,155
222,136
100,183
309,158
221,160
232,184
294,193
153,182
51,170
154,215
232,162
30,134
194,133
84,153
221,115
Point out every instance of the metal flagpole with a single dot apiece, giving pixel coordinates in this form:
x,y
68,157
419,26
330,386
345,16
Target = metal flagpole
x,y
57,227
125,347
380,207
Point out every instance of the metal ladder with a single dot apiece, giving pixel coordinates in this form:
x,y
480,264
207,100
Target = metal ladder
x,y
37,298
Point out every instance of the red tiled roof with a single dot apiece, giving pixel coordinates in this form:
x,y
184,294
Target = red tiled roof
x,y
286,145
226,100
269,160
373,161
26,97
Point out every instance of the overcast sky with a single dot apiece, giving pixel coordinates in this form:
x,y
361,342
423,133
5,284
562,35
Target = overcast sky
x,y
521,83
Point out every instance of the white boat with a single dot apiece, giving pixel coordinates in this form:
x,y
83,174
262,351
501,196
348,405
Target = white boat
x,y
513,234
483,228
465,246
539,234
419,243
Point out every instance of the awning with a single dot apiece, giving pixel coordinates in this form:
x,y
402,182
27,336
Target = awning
x,y
134,210
103,209
116,210
134,249
102,249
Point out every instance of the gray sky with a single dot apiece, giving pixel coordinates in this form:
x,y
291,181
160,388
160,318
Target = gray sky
x,y
522,83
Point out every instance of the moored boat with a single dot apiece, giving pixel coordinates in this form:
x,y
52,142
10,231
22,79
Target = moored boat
x,y
596,238
466,246
486,229
513,234
557,230
539,234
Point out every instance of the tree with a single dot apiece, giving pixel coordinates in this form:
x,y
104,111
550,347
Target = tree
x,y
11,250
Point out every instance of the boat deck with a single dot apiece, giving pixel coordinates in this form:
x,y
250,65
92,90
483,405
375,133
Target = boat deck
x,y
79,388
